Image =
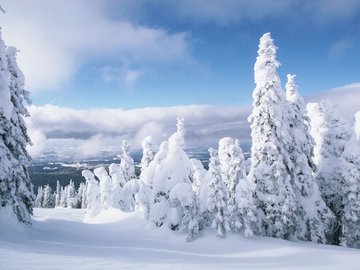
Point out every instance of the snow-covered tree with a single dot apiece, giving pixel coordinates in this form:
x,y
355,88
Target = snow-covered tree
x,y
216,202
175,168
39,197
170,166
49,201
81,193
106,187
149,199
200,178
232,172
198,174
350,214
331,134
84,198
269,172
337,157
118,182
63,197
182,195
128,193
314,217
246,220
127,163
71,195
93,206
16,195
148,152
57,194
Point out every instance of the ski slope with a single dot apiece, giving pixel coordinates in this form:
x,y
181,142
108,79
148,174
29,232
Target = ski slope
x,y
60,239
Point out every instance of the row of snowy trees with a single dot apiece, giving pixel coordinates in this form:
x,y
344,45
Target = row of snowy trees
x,y
62,197
303,181
113,188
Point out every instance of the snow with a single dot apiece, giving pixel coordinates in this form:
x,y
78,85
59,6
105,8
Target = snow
x,y
357,125
59,239
6,106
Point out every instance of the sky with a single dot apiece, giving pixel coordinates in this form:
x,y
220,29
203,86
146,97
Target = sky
x,y
172,57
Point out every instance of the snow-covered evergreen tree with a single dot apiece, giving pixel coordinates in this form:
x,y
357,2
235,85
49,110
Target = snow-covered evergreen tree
x,y
49,201
314,217
174,169
144,197
57,194
71,195
16,195
331,134
269,172
93,206
39,197
198,174
83,197
246,220
182,195
148,152
150,201
63,197
216,202
81,192
350,214
232,172
106,188
118,182
200,178
128,193
337,157
127,163
170,166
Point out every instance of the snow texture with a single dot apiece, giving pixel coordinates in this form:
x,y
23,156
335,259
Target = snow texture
x,y
59,239
6,106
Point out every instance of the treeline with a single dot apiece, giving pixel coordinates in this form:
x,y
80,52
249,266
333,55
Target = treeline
x,y
62,197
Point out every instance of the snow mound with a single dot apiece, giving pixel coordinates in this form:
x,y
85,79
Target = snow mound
x,y
109,215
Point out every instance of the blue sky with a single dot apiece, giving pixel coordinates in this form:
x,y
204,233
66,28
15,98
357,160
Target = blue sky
x,y
209,49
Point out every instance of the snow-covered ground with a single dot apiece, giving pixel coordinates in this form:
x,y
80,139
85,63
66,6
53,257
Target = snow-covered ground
x,y
59,239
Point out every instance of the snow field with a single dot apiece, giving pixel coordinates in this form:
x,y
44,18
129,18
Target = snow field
x,y
59,239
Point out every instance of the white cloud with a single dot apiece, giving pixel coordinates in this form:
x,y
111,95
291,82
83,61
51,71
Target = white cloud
x,y
38,140
57,37
347,97
91,131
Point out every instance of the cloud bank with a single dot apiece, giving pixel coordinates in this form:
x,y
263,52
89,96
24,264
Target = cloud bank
x,y
91,131
88,132
347,97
